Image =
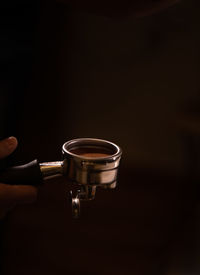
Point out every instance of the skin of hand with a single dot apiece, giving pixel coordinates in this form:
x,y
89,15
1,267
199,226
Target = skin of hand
x,y
12,195
110,8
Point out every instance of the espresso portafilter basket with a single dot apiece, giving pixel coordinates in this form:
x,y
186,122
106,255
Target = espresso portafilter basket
x,y
88,163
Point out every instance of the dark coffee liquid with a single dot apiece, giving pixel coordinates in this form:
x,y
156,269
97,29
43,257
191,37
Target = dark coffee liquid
x,y
91,152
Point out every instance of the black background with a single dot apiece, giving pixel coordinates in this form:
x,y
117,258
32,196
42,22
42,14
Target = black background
x,y
66,73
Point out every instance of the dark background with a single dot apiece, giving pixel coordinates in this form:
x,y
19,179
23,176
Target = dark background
x,y
66,73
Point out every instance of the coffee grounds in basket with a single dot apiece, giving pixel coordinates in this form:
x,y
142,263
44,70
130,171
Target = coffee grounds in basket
x,y
91,152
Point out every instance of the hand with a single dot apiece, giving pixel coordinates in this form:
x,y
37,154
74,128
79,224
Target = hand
x,y
11,195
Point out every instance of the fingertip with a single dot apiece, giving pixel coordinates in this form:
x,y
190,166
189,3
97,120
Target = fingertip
x,y
7,146
12,142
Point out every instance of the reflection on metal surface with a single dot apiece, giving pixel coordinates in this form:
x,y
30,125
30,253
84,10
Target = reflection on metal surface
x,y
52,169
75,201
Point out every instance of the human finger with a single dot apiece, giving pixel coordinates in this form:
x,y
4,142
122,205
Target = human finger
x,y
7,146
17,194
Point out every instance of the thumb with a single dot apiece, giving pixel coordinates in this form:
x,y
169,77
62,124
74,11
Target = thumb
x,y
7,146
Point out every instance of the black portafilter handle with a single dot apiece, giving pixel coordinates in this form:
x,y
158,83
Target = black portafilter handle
x,y
32,173
27,174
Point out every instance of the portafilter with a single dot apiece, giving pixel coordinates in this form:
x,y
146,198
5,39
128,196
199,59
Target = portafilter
x,y
87,162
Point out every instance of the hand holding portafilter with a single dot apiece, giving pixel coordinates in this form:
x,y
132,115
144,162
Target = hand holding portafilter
x,y
87,162
13,195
